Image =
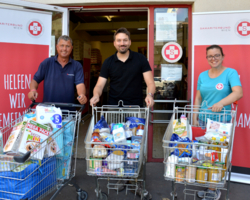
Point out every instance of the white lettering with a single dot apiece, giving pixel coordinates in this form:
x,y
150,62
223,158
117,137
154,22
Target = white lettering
x,y
18,97
15,82
27,80
18,80
10,82
240,121
7,118
12,101
246,122
22,82
23,102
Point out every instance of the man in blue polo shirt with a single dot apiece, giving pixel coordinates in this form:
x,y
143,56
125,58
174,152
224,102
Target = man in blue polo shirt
x,y
61,74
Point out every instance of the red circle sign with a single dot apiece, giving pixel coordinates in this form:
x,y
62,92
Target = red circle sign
x,y
243,28
171,52
35,28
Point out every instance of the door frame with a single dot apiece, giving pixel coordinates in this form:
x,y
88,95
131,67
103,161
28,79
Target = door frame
x,y
150,52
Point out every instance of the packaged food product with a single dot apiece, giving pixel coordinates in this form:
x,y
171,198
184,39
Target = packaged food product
x,y
213,175
133,154
119,133
14,139
180,127
115,160
171,166
47,114
134,122
140,130
218,129
101,124
180,173
190,174
33,136
128,131
95,138
99,151
182,150
95,162
201,175
136,142
29,116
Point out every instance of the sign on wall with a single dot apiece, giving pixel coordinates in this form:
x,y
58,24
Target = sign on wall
x,y
232,32
25,38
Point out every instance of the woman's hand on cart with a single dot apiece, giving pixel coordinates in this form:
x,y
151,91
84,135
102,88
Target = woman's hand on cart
x,y
94,100
82,99
217,107
32,95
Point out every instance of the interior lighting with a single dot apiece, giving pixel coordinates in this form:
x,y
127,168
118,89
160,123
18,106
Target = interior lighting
x,y
109,18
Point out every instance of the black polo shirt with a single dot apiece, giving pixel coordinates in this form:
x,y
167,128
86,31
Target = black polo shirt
x,y
125,78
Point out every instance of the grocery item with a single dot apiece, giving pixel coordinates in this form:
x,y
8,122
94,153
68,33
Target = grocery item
x,y
190,174
119,133
140,130
29,116
180,173
34,134
218,129
99,151
170,166
201,175
95,162
180,126
134,122
101,124
133,154
182,150
128,131
14,139
115,160
213,175
95,138
49,114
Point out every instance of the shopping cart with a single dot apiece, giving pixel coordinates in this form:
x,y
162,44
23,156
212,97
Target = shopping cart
x,y
125,165
191,171
31,176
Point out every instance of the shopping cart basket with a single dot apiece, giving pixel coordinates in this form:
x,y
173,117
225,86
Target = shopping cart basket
x,y
104,163
31,176
205,171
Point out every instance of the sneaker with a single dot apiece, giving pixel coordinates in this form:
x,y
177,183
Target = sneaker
x,y
146,195
120,185
209,194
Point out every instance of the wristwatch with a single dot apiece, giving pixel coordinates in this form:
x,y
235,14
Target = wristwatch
x,y
152,95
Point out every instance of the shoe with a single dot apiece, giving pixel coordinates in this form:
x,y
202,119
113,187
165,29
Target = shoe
x,y
147,195
209,194
120,185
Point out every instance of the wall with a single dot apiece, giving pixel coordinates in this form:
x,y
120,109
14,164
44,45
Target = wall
x,y
198,5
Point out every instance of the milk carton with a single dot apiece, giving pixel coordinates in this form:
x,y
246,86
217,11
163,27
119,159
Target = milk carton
x,y
33,136
13,141
47,114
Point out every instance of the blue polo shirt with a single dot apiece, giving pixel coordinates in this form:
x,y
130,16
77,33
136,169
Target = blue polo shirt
x,y
59,83
214,89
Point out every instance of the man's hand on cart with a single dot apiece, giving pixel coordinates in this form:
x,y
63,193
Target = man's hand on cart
x,y
149,100
94,100
217,107
32,95
82,99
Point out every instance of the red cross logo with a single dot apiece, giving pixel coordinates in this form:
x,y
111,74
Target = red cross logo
x,y
243,28
171,52
219,86
35,28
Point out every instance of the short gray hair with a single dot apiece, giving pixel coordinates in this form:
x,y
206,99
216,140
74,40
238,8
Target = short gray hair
x,y
66,38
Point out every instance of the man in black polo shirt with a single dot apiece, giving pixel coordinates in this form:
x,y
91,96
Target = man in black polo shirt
x,y
61,74
126,70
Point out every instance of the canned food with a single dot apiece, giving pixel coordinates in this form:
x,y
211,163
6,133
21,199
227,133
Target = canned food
x,y
180,173
213,175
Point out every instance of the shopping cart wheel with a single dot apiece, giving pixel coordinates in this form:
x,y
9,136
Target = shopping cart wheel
x,y
83,196
103,196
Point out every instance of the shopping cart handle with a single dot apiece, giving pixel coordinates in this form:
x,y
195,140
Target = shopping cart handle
x,y
69,105
22,159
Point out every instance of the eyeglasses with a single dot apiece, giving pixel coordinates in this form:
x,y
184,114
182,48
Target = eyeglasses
x,y
216,56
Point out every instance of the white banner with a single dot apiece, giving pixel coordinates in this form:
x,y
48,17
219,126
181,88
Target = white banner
x,y
230,30
24,26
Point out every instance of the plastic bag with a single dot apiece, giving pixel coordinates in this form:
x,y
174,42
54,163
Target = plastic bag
x,y
101,124
182,150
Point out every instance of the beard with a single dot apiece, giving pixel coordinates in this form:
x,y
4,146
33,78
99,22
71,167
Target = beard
x,y
124,50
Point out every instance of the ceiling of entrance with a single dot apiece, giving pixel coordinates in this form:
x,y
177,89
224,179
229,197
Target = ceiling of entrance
x,y
101,25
